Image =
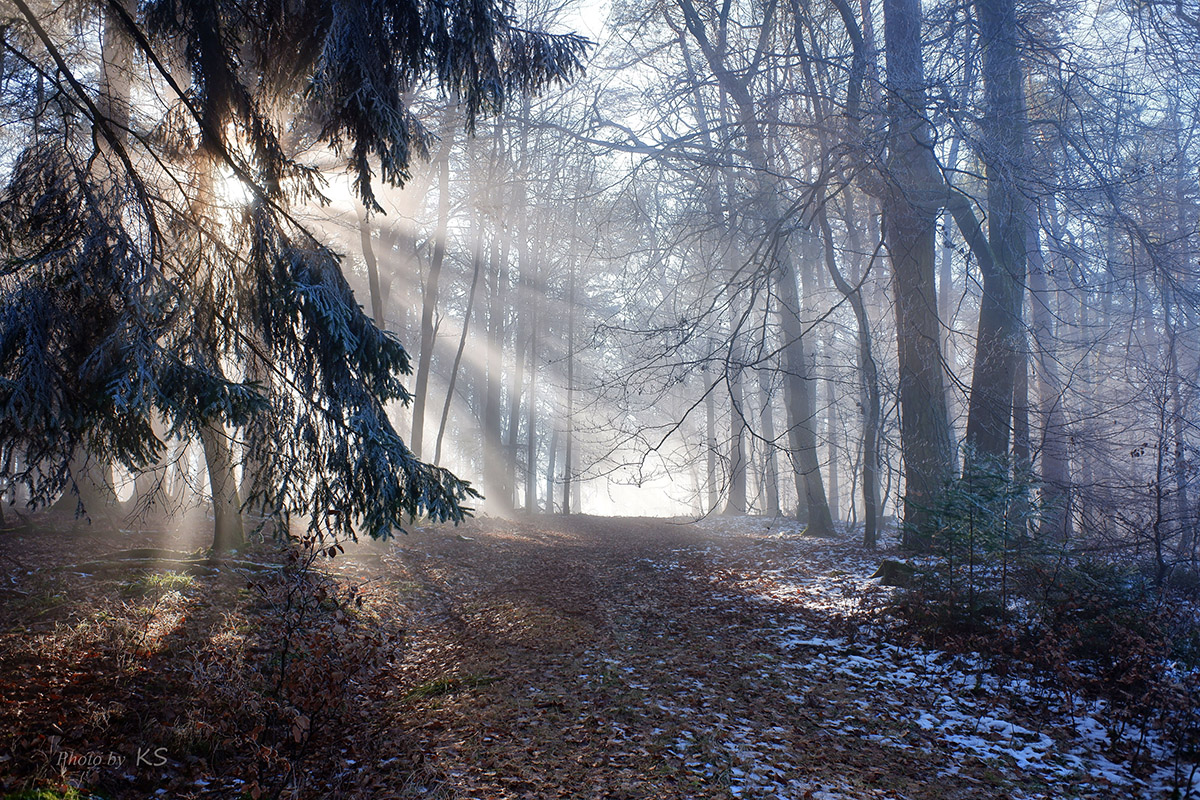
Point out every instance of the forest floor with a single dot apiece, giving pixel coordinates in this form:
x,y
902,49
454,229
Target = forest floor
x,y
574,658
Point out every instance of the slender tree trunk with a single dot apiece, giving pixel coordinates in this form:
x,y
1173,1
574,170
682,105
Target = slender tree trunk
x,y
531,438
1022,442
946,293
498,493
767,202
862,65
832,433
869,386
569,420
710,421
736,503
535,293
551,458
771,467
477,269
430,301
801,414
1055,463
1184,518
368,252
515,392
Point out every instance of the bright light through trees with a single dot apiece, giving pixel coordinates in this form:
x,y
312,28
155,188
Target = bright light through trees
x,y
835,261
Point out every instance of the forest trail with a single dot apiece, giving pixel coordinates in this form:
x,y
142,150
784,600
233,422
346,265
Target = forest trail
x,y
635,658
538,658
590,662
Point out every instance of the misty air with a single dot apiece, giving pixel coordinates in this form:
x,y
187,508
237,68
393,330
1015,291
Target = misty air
x,y
521,399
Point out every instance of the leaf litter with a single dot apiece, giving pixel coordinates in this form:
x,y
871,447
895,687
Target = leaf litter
x,y
588,657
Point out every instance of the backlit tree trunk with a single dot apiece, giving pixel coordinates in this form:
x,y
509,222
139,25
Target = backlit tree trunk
x,y
911,205
998,343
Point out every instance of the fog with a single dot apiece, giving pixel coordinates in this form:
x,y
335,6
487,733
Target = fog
x,y
739,259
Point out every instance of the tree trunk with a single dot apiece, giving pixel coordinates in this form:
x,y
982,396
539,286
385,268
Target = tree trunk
x,y
477,269
92,487
429,300
912,201
767,202
499,494
771,468
1022,450
710,422
998,348
869,387
736,503
531,438
831,426
569,420
1055,471
551,459
368,252
227,517
801,414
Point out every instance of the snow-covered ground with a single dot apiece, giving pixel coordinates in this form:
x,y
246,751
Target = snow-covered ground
x,y
1043,743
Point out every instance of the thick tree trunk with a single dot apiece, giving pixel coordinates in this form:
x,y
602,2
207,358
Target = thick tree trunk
x,y
801,414
91,489
116,71
998,346
92,486
913,198
227,517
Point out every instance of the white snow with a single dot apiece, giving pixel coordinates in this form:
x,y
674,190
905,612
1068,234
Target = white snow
x,y
914,698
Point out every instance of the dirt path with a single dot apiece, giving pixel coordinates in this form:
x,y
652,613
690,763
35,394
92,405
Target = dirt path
x,y
570,658
605,658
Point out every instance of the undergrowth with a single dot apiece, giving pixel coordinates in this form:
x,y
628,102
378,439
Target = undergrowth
x,y
286,683
247,677
994,584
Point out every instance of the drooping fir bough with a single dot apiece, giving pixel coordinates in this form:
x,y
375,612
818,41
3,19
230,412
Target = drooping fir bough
x,y
137,303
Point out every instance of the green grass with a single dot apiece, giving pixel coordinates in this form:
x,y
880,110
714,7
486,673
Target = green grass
x,y
64,793
449,685
156,583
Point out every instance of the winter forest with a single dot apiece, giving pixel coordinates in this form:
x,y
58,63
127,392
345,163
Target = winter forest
x,y
542,398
